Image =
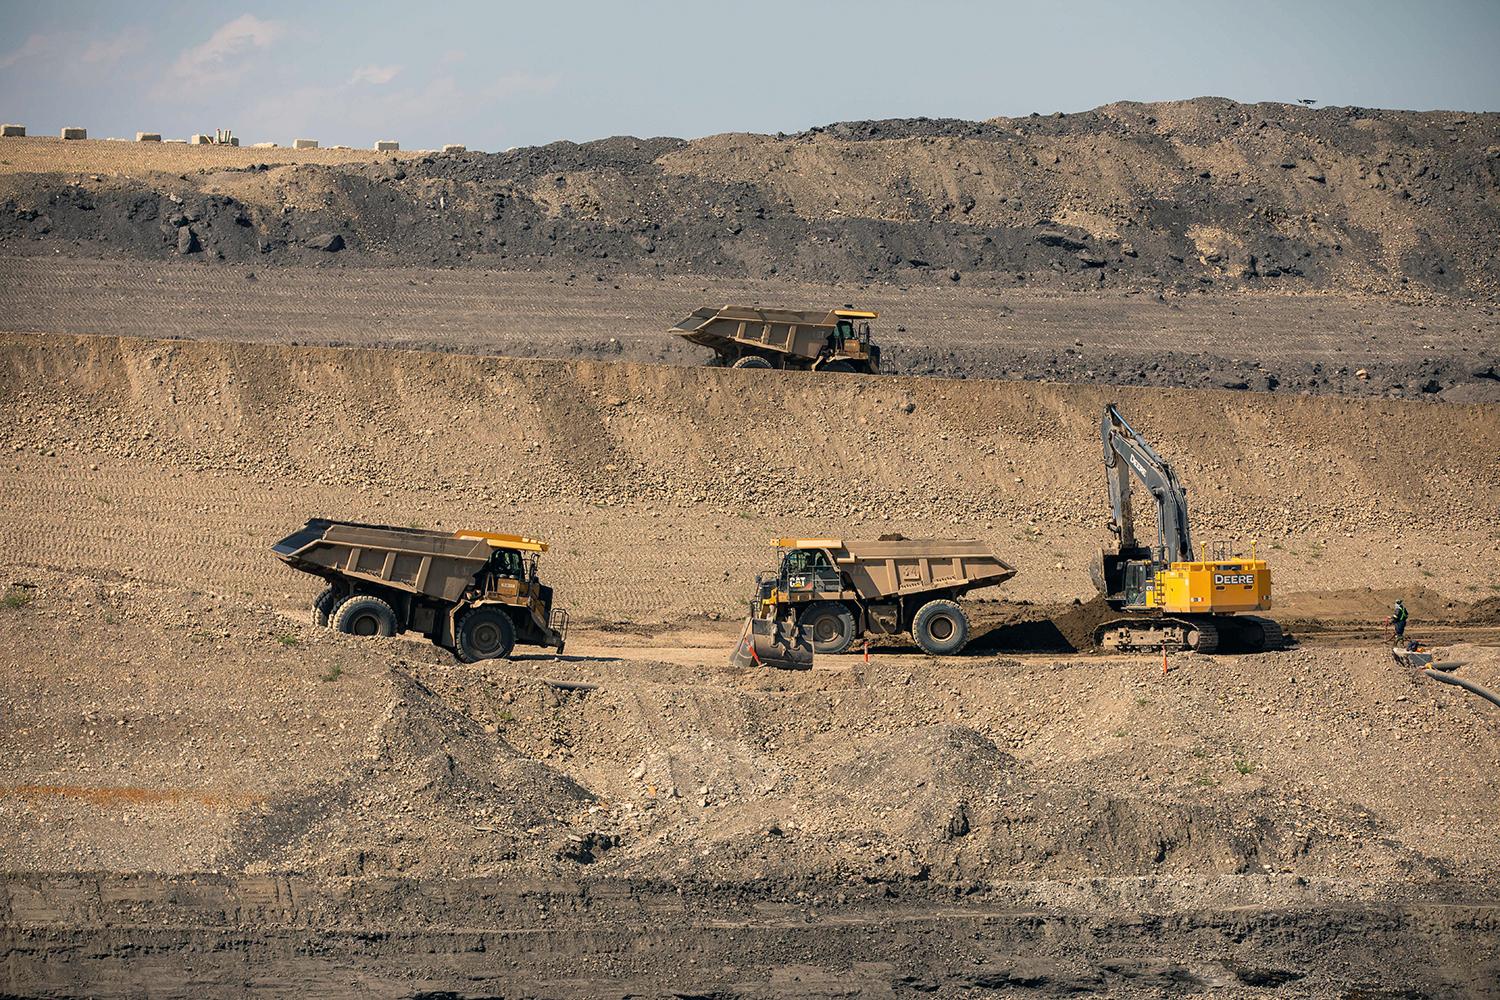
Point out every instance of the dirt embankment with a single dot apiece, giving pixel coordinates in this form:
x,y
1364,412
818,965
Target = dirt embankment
x,y
679,476
1185,196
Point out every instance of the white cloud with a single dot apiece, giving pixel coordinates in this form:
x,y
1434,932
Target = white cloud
x,y
375,74
219,55
100,52
35,47
107,51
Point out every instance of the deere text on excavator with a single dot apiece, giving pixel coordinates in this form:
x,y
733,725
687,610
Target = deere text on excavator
x,y
1171,597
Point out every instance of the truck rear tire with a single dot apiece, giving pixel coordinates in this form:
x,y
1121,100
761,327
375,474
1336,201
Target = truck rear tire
x,y
751,361
832,627
484,634
940,628
365,615
325,604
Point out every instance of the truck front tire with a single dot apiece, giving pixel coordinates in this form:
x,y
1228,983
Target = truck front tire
x,y
484,634
940,628
832,627
365,615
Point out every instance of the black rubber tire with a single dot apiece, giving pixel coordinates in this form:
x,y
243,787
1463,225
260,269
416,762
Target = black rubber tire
x,y
832,627
325,604
364,615
751,361
484,634
940,628
838,366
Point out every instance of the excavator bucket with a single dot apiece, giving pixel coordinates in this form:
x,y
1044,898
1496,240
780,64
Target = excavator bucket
x,y
766,643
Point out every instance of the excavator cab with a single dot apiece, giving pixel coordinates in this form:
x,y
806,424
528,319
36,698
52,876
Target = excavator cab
x,y
1140,584
1124,577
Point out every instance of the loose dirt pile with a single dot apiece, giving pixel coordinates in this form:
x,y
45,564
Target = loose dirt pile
x,y
1189,195
358,757
1214,827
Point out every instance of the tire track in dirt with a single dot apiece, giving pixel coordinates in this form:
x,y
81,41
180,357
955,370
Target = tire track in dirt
x,y
1198,340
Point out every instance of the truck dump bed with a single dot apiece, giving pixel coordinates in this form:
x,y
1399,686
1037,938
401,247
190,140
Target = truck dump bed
x,y
799,336
916,565
437,564
890,567
787,330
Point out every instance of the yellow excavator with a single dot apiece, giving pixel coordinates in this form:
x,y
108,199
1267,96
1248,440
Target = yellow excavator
x,y
1171,597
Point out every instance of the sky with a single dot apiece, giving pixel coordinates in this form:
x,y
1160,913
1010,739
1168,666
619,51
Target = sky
x,y
492,75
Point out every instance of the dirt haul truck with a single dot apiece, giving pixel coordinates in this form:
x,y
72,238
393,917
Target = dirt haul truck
x,y
474,593
1173,599
835,340
837,591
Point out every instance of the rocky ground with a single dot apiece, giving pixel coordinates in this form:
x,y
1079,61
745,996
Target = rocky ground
x,y
1306,791
1011,817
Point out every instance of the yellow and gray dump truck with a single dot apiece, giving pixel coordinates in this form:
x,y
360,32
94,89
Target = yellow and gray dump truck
x,y
826,593
474,593
829,340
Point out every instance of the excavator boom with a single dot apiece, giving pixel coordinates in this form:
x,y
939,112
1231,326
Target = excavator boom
x,y
1126,452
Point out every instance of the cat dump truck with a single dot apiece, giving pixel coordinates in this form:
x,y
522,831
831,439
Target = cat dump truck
x,y
837,591
835,340
1170,596
474,593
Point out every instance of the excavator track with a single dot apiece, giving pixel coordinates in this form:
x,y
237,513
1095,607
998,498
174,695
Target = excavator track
x,y
1152,635
1225,634
1260,634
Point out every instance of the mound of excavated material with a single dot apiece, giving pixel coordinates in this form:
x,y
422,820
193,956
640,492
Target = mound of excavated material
x,y
1185,195
195,776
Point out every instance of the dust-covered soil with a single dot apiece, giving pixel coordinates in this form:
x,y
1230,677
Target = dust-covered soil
x,y
371,815
660,487
1324,344
204,793
1184,196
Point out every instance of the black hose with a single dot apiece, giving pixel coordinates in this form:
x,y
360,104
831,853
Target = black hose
x,y
1469,686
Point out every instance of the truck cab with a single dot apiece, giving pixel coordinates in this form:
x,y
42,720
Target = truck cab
x,y
801,575
851,342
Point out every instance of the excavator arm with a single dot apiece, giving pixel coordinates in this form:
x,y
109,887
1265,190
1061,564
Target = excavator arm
x,y
1127,453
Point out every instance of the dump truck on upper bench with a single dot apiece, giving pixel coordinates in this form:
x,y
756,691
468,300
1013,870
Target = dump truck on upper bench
x,y
474,593
836,591
832,340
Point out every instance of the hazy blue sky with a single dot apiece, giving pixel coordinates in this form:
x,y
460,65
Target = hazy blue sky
x,y
500,74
